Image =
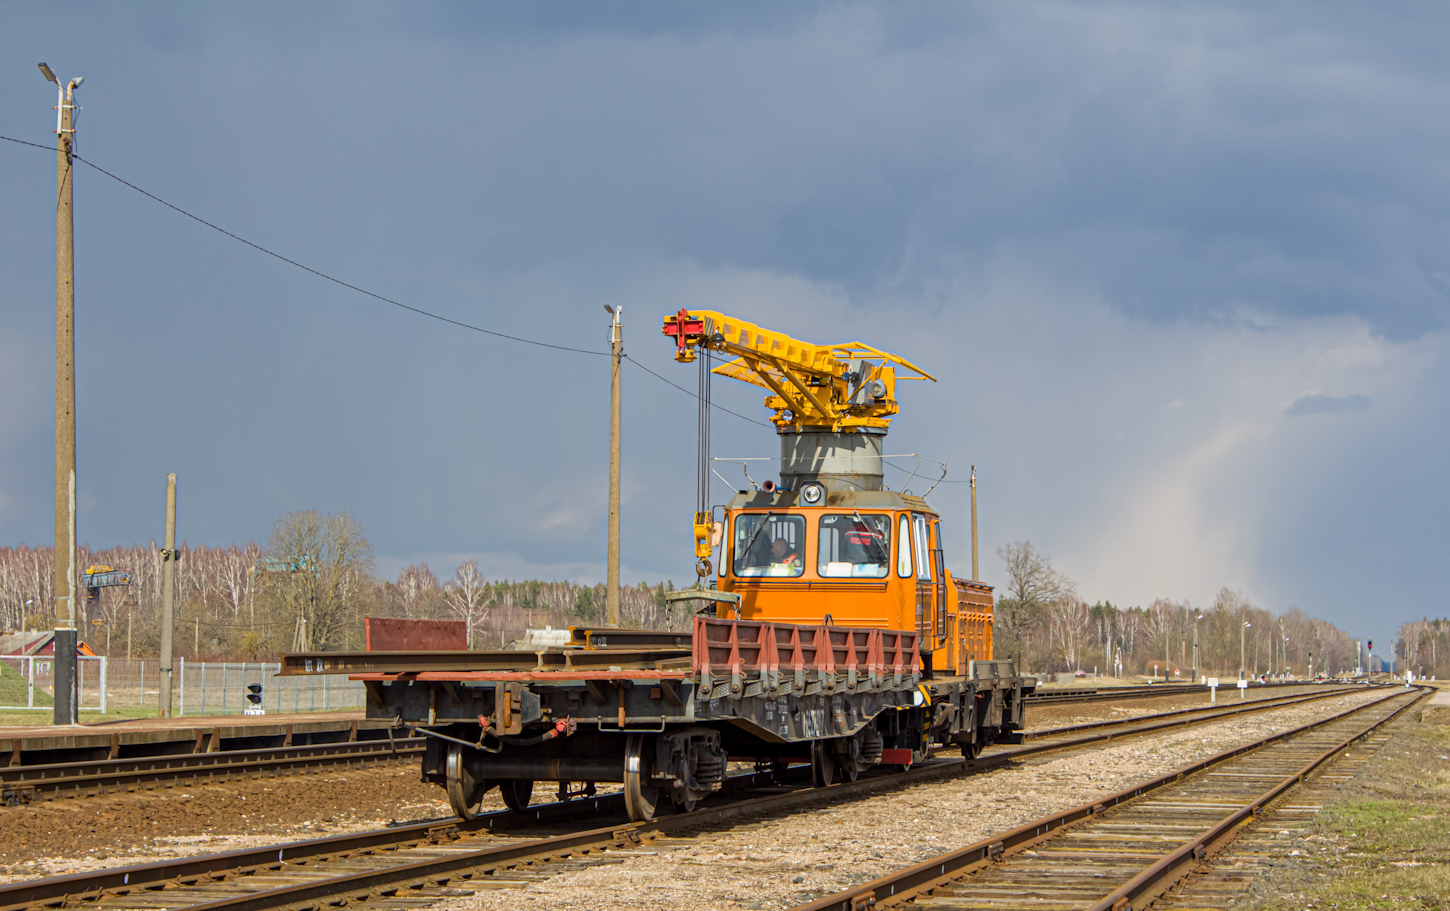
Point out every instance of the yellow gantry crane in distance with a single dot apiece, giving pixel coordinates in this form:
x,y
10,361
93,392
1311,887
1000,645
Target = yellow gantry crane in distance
x,y
814,388
821,388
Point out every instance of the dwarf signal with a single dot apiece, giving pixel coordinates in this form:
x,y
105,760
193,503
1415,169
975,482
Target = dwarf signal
x,y
254,700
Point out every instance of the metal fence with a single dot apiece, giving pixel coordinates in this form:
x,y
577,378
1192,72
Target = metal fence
x,y
200,688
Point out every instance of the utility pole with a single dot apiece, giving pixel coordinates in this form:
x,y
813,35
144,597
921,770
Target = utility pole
x,y
63,559
169,557
1195,647
616,357
976,573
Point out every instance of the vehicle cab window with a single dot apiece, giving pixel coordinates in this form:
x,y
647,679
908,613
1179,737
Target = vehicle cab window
x,y
923,547
853,546
768,545
903,549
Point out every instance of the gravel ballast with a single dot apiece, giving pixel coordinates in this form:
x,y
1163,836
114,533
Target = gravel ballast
x,y
777,864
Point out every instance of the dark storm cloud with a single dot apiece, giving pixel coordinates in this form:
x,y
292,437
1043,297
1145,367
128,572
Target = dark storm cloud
x,y
1116,230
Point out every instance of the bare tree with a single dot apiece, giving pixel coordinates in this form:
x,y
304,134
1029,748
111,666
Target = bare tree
x,y
320,566
1031,580
418,589
466,596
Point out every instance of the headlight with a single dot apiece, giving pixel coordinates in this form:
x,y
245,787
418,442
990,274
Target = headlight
x,y
813,494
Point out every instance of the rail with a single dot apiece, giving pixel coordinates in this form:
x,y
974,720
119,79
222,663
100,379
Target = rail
x,y
991,856
28,783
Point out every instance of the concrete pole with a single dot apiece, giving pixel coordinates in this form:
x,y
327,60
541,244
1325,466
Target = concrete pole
x,y
976,570
63,559
616,357
168,599
1195,651
1243,629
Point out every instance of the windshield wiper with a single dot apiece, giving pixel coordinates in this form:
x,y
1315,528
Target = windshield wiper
x,y
748,544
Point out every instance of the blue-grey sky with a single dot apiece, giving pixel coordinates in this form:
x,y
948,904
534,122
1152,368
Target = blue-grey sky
x,y
1180,268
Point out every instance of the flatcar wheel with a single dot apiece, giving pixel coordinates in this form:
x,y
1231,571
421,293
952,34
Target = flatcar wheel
x,y
640,795
517,792
463,788
823,763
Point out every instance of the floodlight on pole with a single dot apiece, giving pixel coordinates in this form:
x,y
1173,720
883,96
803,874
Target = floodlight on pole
x,y
59,97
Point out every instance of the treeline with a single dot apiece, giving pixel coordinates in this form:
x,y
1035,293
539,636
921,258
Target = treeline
x,y
1041,622
1423,646
310,586
307,589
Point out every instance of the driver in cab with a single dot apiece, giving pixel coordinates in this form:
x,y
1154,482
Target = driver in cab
x,y
783,560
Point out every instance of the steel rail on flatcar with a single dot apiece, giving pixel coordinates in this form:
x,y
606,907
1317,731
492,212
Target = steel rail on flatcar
x,y
186,878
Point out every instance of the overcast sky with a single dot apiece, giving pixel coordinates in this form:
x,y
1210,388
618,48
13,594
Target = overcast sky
x,y
1181,270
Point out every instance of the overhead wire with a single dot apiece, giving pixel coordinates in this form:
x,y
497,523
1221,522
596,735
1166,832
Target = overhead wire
x,y
387,300
692,394
317,272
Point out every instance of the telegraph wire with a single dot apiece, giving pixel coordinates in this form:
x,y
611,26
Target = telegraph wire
x,y
316,272
338,281
693,394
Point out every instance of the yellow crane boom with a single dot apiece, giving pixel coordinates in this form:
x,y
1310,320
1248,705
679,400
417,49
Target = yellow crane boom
x,y
830,388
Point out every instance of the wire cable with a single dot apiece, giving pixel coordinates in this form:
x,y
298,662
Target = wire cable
x,y
364,291
692,394
305,268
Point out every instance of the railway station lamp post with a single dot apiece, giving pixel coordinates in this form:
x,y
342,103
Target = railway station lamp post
x,y
63,554
1243,633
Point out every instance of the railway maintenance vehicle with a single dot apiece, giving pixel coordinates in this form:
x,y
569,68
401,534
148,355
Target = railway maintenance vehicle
x,y
827,626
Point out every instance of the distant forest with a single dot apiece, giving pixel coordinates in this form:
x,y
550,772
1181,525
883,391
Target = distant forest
x,y
310,585
307,589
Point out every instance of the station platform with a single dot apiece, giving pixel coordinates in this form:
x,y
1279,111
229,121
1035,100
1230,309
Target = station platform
x,y
132,738
1437,710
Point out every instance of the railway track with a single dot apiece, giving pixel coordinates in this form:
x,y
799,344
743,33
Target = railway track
x,y
1123,851
404,866
25,784
1056,697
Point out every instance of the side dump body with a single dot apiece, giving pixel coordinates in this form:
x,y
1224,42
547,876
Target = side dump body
x,y
669,718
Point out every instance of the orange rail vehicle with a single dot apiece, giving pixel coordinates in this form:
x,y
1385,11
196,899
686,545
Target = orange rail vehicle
x,y
827,630
829,542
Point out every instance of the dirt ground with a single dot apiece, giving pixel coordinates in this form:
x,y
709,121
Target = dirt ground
x,y
61,836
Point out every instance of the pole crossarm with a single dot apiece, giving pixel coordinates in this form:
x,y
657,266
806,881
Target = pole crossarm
x,y
813,387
